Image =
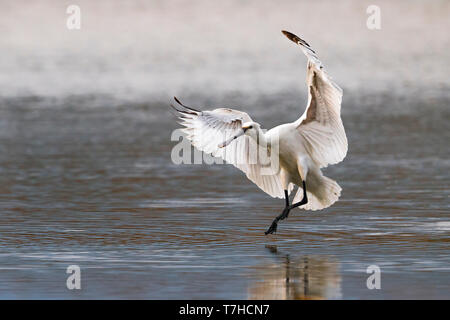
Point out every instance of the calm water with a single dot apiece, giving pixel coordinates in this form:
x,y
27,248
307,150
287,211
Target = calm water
x,y
95,186
86,176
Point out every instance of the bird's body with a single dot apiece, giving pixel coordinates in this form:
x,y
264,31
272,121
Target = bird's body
x,y
293,153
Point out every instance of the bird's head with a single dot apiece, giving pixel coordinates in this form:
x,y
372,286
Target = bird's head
x,y
248,128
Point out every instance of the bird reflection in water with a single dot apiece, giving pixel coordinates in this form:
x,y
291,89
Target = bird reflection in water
x,y
297,278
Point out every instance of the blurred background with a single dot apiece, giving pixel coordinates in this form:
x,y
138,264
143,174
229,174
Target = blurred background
x,y
86,176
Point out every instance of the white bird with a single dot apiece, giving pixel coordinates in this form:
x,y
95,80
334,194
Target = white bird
x,y
304,146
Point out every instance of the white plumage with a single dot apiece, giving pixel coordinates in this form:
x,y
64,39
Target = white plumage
x,y
293,153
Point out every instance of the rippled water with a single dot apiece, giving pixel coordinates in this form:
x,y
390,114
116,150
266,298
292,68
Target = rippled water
x,y
96,187
86,176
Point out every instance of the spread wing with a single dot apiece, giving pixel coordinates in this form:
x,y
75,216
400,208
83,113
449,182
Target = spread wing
x,y
208,129
321,124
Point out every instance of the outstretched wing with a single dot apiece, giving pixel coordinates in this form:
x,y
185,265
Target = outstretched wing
x,y
208,129
321,124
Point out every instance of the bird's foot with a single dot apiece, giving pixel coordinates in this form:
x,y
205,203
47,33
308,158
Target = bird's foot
x,y
274,225
272,228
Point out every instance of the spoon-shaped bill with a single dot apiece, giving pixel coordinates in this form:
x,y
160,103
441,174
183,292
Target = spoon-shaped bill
x,y
227,142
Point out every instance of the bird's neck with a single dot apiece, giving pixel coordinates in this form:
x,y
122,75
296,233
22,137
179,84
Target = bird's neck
x,y
261,138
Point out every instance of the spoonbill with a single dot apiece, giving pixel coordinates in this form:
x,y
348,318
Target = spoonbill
x,y
314,141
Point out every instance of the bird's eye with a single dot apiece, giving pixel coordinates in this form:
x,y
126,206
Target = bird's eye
x,y
251,127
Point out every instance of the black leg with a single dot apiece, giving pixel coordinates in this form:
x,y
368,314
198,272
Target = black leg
x,y
286,197
303,201
285,213
286,209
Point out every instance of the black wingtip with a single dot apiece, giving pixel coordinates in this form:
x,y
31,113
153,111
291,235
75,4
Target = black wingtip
x,y
183,111
178,101
190,108
295,38
290,36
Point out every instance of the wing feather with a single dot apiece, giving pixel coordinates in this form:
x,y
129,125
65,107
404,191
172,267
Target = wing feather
x,y
321,125
207,129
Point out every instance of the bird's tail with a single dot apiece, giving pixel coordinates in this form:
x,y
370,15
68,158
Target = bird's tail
x,y
322,192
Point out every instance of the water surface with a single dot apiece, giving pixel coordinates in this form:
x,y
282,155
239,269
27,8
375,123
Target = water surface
x,y
86,176
96,187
